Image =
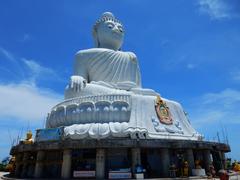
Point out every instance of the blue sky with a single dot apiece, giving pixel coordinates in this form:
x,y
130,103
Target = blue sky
x,y
188,51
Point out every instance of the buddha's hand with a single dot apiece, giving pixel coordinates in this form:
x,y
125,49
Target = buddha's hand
x,y
77,83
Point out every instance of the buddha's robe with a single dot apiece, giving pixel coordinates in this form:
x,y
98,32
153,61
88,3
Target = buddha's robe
x,y
109,66
106,71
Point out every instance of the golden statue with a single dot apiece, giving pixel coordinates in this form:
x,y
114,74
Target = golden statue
x,y
197,164
29,139
185,169
11,165
163,112
236,167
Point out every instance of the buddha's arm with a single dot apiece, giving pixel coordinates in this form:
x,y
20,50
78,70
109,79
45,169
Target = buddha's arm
x,y
133,58
138,78
79,78
80,68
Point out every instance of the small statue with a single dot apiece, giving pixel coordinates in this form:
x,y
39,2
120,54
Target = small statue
x,y
11,165
185,169
29,139
197,164
236,167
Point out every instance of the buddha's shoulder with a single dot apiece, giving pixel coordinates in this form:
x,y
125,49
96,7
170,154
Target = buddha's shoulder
x,y
131,55
87,52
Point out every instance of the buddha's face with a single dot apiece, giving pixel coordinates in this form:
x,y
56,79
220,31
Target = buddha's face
x,y
110,35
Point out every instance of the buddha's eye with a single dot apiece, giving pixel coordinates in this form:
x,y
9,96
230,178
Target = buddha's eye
x,y
120,29
110,26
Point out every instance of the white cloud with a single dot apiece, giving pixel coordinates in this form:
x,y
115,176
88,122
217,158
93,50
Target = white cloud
x,y
207,117
24,70
216,107
191,66
227,96
217,116
26,102
36,71
26,37
22,99
164,42
235,75
7,54
217,9
182,62
23,104
10,64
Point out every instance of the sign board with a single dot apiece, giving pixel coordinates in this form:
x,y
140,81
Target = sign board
x,y
198,172
139,176
51,134
84,173
119,175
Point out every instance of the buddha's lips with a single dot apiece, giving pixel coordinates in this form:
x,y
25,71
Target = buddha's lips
x,y
117,33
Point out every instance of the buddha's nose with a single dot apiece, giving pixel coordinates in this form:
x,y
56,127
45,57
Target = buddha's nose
x,y
115,28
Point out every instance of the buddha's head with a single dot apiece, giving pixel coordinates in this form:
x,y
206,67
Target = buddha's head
x,y
108,32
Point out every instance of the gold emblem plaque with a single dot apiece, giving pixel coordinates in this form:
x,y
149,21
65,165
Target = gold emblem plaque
x,y
163,112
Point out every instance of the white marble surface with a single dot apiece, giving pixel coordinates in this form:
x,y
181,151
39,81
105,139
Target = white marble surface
x,y
140,123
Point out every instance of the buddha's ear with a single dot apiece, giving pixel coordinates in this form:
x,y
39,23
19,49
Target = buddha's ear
x,y
95,38
120,49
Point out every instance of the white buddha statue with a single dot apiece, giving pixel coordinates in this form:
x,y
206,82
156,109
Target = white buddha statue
x,y
106,69
105,98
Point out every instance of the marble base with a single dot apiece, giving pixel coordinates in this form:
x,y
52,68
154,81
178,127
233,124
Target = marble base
x,y
135,147
119,115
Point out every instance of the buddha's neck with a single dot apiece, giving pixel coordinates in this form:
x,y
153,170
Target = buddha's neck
x,y
108,46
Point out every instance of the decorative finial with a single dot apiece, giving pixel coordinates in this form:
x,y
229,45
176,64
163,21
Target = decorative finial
x,y
108,14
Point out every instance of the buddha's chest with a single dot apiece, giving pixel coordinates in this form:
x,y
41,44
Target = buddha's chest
x,y
112,67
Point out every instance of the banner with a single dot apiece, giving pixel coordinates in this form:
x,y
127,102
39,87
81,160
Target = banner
x,y
51,134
